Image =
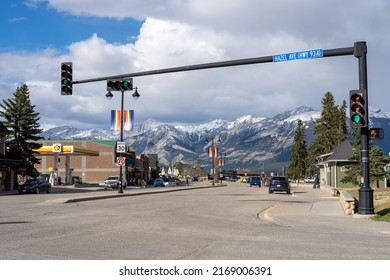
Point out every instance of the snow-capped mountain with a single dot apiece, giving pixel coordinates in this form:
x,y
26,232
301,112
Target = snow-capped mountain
x,y
246,142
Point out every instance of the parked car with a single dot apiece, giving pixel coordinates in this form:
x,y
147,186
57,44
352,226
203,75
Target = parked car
x,y
159,182
76,180
279,184
309,180
35,186
114,182
170,182
255,181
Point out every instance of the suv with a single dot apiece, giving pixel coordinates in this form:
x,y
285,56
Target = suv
x,y
113,182
255,181
279,184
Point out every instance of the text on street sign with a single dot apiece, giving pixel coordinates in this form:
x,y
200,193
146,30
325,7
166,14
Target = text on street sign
x,y
316,53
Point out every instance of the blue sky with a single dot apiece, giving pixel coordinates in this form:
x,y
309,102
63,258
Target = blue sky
x,y
114,37
34,26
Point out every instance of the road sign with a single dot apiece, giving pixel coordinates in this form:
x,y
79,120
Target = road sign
x,y
120,147
120,161
316,53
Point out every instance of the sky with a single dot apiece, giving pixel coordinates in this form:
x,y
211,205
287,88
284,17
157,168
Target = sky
x,y
105,38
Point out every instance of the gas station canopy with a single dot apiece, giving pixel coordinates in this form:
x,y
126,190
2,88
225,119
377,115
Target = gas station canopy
x,y
59,149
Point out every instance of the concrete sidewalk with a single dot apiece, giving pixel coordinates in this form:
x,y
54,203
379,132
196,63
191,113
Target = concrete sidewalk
x,y
325,205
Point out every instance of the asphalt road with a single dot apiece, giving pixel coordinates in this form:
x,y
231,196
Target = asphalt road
x,y
232,222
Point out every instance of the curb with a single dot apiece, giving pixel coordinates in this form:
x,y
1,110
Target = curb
x,y
119,195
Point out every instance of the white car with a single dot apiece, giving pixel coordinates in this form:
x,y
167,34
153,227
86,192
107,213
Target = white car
x,y
114,182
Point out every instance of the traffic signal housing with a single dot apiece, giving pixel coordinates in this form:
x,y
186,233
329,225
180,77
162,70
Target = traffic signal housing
x,y
358,108
120,84
66,78
376,134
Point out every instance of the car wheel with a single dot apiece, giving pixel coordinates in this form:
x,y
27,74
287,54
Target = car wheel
x,y
37,190
269,191
288,192
48,190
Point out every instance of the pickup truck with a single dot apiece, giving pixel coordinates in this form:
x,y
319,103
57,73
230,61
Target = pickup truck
x,y
114,182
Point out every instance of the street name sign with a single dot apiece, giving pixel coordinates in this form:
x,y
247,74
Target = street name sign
x,y
316,53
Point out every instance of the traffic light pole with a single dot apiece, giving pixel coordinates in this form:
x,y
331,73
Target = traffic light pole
x,y
366,201
120,190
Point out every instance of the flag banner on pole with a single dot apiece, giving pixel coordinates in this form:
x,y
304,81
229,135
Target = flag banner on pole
x,y
128,117
221,162
213,151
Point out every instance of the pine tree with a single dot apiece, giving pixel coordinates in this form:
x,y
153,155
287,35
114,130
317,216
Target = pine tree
x,y
377,165
342,119
298,160
330,128
353,173
22,120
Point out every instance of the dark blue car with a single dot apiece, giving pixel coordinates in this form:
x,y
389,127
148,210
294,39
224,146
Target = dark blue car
x,y
35,186
255,181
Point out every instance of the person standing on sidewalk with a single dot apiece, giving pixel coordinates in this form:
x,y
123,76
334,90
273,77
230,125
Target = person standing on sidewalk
x,y
316,182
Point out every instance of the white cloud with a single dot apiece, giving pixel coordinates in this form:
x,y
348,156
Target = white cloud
x,y
179,33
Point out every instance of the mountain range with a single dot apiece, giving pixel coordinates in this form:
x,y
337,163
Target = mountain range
x,y
245,143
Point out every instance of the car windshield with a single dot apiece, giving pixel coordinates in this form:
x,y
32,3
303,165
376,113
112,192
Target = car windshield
x,y
112,178
255,178
30,181
279,178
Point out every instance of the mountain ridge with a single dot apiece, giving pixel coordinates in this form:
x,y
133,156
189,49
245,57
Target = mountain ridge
x,y
247,142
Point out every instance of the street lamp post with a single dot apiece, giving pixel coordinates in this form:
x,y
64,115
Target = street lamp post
x,y
221,164
122,86
213,155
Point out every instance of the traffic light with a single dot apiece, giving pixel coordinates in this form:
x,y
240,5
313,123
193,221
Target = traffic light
x,y
66,78
376,134
358,108
120,84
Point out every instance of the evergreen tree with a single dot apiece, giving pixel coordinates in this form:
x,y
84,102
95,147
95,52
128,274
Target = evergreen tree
x,y
353,173
298,160
342,119
330,128
21,119
377,165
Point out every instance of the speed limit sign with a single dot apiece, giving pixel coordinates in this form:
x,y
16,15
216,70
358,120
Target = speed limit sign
x,y
120,161
120,147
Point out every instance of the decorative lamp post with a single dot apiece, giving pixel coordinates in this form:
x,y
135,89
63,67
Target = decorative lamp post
x,y
221,164
213,153
121,85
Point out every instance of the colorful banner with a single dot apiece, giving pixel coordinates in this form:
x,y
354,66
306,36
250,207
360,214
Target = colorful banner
x,y
128,117
221,162
213,151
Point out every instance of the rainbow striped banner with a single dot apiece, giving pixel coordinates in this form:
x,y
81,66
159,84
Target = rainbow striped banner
x,y
213,151
128,117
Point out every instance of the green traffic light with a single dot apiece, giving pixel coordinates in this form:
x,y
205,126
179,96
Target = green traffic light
x,y
356,119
